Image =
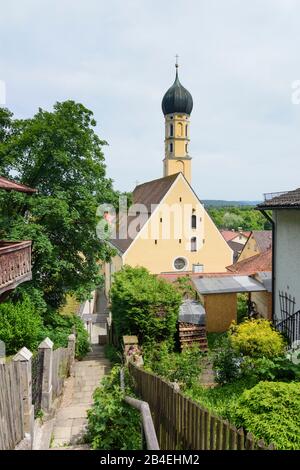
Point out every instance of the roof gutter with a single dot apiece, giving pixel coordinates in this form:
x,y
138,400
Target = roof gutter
x,y
272,222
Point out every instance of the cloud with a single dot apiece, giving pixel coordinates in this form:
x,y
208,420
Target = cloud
x,y
237,59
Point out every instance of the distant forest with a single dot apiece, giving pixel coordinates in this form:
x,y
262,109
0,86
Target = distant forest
x,y
236,217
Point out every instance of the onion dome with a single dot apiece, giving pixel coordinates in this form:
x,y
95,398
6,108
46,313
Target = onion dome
x,y
177,99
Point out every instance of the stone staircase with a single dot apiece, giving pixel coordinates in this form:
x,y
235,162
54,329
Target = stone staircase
x,y
71,419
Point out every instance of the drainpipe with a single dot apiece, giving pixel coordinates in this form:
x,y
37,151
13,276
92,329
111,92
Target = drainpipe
x,y
267,216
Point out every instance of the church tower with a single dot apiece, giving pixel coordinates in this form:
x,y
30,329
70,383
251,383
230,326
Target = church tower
x,y
177,105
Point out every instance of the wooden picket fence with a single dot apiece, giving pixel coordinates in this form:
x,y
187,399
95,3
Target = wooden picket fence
x,y
60,370
182,424
11,406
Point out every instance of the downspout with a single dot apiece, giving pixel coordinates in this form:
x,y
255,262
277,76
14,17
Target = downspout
x,y
267,216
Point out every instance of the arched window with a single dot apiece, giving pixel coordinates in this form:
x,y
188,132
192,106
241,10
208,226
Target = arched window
x,y
193,244
171,130
180,133
171,147
194,221
186,130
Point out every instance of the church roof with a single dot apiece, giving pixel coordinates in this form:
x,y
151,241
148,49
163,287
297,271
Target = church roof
x,y
177,99
148,194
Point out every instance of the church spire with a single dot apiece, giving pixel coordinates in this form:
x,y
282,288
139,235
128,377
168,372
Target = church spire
x,y
177,105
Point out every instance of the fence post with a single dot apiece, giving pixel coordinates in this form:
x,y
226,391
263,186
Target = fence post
x,y
47,347
71,347
24,357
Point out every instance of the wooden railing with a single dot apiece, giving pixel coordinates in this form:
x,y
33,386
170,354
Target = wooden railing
x,y
15,264
182,424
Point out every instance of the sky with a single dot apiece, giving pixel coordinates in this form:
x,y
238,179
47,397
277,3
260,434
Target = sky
x,y
238,59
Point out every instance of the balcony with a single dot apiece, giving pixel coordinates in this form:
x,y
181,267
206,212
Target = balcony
x,y
15,264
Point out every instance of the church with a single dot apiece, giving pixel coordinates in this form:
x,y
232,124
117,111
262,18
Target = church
x,y
167,228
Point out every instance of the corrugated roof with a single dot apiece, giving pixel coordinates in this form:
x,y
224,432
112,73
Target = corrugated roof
x,y
192,312
225,285
10,185
148,194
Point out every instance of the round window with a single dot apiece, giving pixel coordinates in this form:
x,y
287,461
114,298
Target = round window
x,y
180,264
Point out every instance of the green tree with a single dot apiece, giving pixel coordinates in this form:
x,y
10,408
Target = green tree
x,y
144,305
58,153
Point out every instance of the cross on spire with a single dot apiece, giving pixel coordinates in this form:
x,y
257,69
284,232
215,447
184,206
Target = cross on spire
x,y
176,64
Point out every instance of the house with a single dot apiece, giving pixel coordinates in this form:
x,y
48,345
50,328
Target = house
x,y
285,220
15,257
239,236
167,228
259,241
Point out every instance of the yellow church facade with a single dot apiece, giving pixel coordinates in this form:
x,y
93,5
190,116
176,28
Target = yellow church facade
x,y
168,228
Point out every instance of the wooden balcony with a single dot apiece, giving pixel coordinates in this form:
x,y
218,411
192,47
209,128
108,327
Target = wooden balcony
x,y
15,264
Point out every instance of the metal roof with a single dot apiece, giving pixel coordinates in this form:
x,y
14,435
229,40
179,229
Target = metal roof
x,y
192,312
266,279
227,284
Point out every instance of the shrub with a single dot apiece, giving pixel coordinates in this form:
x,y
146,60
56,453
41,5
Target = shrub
x,y
256,338
271,411
112,423
20,325
280,368
58,327
144,305
183,367
226,362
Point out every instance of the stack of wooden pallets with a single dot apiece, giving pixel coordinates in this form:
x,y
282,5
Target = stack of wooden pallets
x,y
190,334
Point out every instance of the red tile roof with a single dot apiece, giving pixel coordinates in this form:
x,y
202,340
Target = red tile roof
x,y
257,263
9,185
231,234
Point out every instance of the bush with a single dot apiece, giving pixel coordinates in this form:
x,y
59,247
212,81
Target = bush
x,y
144,305
183,367
112,424
271,411
280,368
226,362
58,327
256,338
20,325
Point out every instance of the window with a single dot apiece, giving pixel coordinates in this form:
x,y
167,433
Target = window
x,y
171,130
180,199
179,240
198,268
186,148
194,221
155,242
186,130
161,219
193,244
171,147
180,264
180,130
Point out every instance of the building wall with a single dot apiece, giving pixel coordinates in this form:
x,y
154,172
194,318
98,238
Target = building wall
x,y
221,311
250,249
212,252
263,302
287,255
110,268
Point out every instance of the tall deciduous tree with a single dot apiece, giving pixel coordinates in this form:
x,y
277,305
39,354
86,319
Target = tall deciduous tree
x,y
60,155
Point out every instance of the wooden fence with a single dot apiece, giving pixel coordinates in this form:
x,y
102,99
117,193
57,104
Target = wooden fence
x,y
182,424
60,370
11,406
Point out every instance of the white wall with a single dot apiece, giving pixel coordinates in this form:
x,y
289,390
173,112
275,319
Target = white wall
x,y
287,255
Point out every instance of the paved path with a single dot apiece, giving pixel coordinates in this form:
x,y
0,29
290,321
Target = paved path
x,y
71,418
